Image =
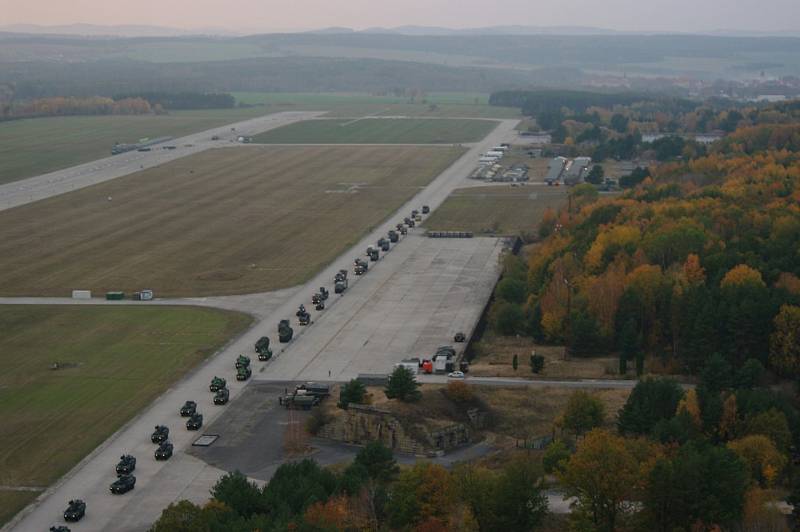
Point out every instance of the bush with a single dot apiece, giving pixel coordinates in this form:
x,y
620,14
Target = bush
x,y
459,392
403,385
352,392
511,290
554,457
537,363
508,319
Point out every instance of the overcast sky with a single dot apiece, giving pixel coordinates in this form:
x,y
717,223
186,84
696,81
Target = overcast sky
x,y
642,15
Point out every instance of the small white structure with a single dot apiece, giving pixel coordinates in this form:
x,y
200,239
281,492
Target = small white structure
x,y
81,294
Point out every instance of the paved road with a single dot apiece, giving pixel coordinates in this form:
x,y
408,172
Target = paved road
x,y
137,510
54,183
533,383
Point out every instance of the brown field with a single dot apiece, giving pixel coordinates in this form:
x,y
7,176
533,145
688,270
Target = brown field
x,y
226,221
495,209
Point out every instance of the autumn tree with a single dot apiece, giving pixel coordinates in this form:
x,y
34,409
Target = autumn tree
x,y
763,460
421,492
784,345
602,475
582,413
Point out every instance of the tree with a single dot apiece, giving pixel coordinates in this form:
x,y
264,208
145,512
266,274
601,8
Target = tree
x,y
182,516
295,486
238,493
740,275
763,460
537,363
629,345
602,475
595,175
352,392
691,406
555,457
700,484
421,492
515,362
519,499
773,424
651,400
403,385
508,318
584,334
512,290
378,461
784,345
749,375
583,413
619,123
717,375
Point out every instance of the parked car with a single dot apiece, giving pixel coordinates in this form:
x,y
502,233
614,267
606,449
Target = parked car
x,y
456,375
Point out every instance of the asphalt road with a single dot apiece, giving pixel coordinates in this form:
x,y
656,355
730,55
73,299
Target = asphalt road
x,y
136,510
54,183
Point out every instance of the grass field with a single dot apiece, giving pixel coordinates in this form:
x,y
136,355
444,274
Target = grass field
x,y
225,221
495,209
41,145
123,357
379,131
437,104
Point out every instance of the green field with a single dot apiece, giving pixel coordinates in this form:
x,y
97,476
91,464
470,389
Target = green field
x,y
436,104
495,209
233,220
379,131
118,360
40,145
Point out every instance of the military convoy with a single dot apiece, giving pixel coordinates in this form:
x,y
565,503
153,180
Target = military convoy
x,y
194,422
222,396
262,348
188,408
285,332
161,434
123,484
164,451
126,465
75,511
216,384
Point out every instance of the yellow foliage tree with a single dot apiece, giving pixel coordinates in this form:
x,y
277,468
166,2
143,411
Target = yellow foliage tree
x,y
740,275
758,452
729,419
617,237
691,406
695,274
784,343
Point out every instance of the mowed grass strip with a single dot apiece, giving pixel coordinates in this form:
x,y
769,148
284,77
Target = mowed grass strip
x,y
12,501
225,221
119,359
495,209
379,131
40,145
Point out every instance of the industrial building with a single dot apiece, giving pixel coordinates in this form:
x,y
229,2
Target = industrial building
x,y
555,169
577,170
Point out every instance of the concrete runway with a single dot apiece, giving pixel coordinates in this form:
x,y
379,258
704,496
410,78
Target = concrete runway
x,y
54,183
138,509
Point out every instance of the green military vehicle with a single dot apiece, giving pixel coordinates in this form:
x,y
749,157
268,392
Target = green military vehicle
x,y
242,362
216,384
262,348
243,373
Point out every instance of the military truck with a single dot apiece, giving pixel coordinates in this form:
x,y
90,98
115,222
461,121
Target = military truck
x,y
164,451
242,361
126,464
319,306
414,213
409,222
285,332
188,408
323,292
426,209
160,434
75,511
374,255
216,384
393,236
222,395
242,374
404,230
303,316
360,266
383,244
315,299
262,348
340,287
317,389
194,422
123,484
304,401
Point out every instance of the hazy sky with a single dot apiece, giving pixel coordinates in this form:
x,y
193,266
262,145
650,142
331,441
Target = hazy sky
x,y
644,15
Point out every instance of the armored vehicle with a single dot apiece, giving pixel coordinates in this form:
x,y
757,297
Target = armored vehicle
x,y
409,222
75,511
323,292
404,230
303,315
195,422
242,362
123,484
340,276
417,218
320,306
400,226
262,348
374,255
126,464
383,244
188,408
340,287
160,434
414,213
242,374
164,451
223,394
216,384
315,299
393,236
460,337
425,209
285,332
